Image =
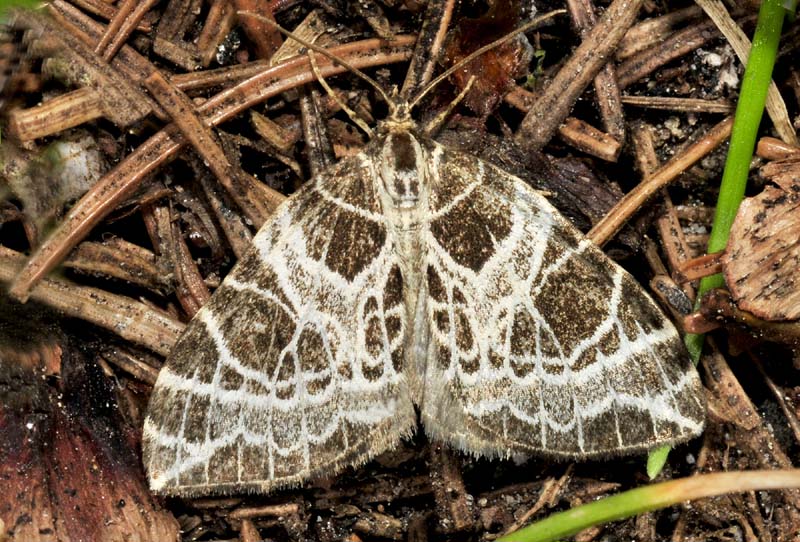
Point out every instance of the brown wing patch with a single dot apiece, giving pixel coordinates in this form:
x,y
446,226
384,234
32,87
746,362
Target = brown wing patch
x,y
344,239
637,318
468,234
382,321
356,241
195,351
270,328
574,300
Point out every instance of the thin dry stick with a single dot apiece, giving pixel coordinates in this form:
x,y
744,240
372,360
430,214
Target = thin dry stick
x,y
605,82
276,510
319,150
429,46
219,21
106,11
55,115
122,26
257,207
551,489
553,106
187,275
127,61
266,39
587,138
694,105
163,147
633,200
133,366
643,35
232,224
699,267
248,532
336,98
131,320
673,240
680,43
788,412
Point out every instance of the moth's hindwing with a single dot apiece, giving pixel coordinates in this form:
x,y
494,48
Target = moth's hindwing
x,y
538,341
293,370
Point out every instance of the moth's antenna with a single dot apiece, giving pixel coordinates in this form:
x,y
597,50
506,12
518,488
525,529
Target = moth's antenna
x,y
350,113
472,56
323,52
434,125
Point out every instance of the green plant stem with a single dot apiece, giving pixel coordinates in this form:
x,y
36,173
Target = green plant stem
x,y
652,497
749,110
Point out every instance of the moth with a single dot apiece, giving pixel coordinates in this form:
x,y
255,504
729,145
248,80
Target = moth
x,y
413,280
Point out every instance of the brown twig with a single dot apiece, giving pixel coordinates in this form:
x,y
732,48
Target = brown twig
x,y
449,492
248,532
552,107
685,41
702,266
219,21
633,200
673,240
119,259
266,38
231,223
775,106
114,93
129,319
128,62
587,138
123,24
275,510
691,105
108,12
429,46
551,489
780,398
643,35
319,149
56,115
131,365
605,82
256,204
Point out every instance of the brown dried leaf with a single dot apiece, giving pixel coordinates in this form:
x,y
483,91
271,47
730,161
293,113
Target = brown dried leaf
x,y
495,70
68,472
763,254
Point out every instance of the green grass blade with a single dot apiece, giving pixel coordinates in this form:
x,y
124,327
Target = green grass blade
x,y
648,498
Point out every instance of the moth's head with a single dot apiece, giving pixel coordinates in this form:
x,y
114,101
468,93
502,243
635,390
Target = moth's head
x,y
399,119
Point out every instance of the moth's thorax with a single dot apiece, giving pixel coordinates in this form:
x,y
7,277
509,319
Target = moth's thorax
x,y
402,169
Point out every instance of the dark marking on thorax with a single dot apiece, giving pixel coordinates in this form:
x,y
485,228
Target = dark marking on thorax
x,y
402,168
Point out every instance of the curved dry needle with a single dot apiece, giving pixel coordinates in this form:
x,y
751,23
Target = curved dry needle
x,y
317,49
472,56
